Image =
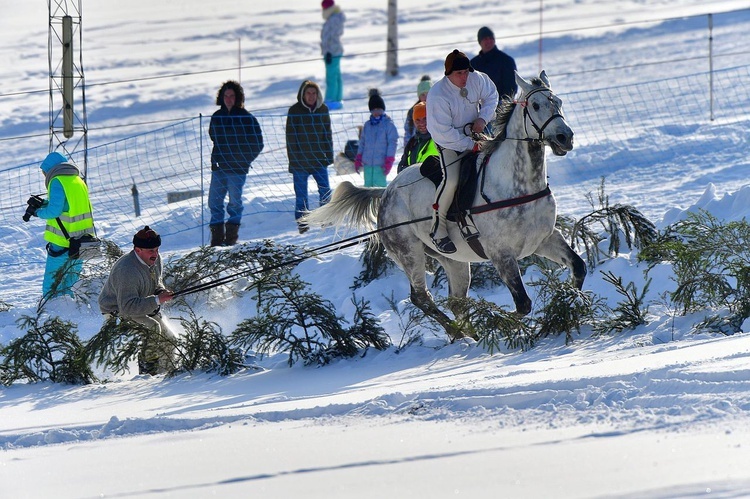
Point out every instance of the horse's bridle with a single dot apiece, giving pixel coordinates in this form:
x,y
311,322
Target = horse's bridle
x,y
539,129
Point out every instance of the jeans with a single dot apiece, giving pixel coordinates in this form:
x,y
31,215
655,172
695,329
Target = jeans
x,y
334,82
301,204
223,183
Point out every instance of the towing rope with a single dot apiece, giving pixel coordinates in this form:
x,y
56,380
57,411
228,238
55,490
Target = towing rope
x,y
321,250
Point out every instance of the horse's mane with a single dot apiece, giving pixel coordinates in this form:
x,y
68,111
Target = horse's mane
x,y
502,115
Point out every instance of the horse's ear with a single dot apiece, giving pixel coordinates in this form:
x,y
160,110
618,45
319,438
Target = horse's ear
x,y
543,77
524,85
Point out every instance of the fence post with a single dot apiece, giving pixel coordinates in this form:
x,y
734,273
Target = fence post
x,y
711,65
203,190
136,201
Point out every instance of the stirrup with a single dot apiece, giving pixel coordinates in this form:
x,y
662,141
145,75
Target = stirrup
x,y
445,245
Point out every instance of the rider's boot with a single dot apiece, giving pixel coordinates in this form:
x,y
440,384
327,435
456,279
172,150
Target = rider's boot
x,y
440,237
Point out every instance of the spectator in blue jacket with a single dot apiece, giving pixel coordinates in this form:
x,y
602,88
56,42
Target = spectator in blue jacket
x,y
377,144
496,64
237,142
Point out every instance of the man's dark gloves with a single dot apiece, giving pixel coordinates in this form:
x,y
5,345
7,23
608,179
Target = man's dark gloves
x,y
329,58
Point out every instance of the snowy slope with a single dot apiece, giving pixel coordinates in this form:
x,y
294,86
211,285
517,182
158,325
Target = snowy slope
x,y
657,412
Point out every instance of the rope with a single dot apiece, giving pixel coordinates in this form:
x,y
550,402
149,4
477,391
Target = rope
x,y
321,250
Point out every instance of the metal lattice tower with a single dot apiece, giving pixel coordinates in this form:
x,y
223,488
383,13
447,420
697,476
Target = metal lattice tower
x,y
67,89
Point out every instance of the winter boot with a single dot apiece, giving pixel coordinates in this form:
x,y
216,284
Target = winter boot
x,y
217,235
232,234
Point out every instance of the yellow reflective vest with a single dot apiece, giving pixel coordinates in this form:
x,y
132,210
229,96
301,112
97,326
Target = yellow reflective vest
x,y
78,220
429,149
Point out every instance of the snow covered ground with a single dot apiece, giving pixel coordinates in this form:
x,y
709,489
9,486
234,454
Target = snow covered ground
x,y
656,412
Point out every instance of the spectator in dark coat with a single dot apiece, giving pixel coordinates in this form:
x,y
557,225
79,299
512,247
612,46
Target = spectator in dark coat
x,y
309,146
237,142
496,64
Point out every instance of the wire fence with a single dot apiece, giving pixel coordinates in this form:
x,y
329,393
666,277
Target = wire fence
x,y
165,173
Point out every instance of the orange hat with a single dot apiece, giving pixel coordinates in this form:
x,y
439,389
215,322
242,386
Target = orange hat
x,y
419,111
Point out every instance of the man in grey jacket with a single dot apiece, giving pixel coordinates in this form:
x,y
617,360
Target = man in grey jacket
x,y
134,290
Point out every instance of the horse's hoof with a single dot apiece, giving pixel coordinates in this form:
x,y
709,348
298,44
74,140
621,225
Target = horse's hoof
x,y
445,245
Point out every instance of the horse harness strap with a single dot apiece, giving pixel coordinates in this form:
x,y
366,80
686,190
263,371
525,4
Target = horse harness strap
x,y
466,223
507,203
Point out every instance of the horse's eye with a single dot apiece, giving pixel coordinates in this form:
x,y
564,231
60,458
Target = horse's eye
x,y
536,106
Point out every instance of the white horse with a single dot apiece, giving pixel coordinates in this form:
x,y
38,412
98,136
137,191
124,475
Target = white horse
x,y
513,209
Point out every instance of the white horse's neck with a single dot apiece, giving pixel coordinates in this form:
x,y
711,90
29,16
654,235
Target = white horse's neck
x,y
518,166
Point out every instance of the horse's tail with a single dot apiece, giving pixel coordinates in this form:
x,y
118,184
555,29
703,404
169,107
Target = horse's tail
x,y
351,207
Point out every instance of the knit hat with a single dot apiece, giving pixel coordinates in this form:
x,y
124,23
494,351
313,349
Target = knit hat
x,y
419,111
146,238
376,101
424,85
483,33
457,61
326,3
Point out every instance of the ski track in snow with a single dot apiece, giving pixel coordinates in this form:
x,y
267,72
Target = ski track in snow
x,y
681,385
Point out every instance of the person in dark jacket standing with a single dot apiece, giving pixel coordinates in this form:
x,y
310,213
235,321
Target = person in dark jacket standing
x,y
237,142
496,64
309,146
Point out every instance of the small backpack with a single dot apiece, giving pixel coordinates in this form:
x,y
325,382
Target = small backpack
x,y
350,149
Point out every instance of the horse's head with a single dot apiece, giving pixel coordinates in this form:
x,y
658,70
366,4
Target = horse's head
x,y
542,110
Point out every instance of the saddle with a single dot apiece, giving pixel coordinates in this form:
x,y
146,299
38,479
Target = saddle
x,y
463,199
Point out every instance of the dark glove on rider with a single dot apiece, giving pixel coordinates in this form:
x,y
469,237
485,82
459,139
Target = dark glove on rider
x,y
329,58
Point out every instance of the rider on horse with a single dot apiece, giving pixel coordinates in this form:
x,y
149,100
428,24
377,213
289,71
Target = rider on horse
x,y
458,105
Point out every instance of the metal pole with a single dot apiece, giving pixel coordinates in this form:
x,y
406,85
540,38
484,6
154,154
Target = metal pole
x,y
391,58
711,65
136,200
203,190
541,9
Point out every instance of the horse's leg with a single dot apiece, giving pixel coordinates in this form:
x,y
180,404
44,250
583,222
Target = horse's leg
x,y
507,267
557,249
421,298
409,254
459,279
